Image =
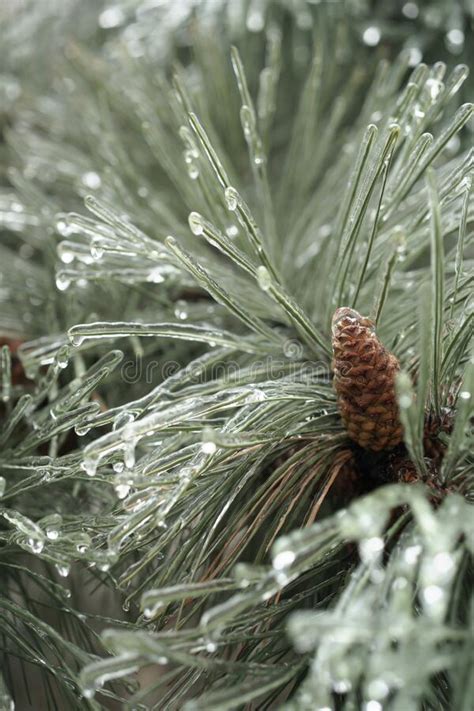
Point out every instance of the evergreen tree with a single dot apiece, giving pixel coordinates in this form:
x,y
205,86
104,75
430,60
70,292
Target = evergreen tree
x,y
236,365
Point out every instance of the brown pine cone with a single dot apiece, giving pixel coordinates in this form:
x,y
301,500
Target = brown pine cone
x,y
432,445
401,469
364,379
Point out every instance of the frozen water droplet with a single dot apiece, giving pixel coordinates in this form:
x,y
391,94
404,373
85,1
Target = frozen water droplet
x,y
118,467
64,253
63,570
373,705
414,56
155,276
81,430
90,466
196,223
370,549
378,689
208,447
122,490
52,526
444,563
62,281
434,87
97,250
122,418
401,244
45,474
247,119
62,226
185,475
193,171
232,231
283,560
341,686
36,544
371,36
62,356
180,310
412,553
129,454
77,341
91,180
405,401
410,10
83,542
231,198
465,395
211,646
111,17
255,20
400,583
264,278
455,40
432,594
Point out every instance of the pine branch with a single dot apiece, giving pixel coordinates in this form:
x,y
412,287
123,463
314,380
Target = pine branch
x,y
186,519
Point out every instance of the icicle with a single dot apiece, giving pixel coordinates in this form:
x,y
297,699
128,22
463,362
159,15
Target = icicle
x,y
6,370
94,676
63,569
155,600
63,282
90,466
123,418
196,223
232,198
35,538
52,526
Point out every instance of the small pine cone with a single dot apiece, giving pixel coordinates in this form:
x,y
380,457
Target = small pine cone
x,y
364,379
432,445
